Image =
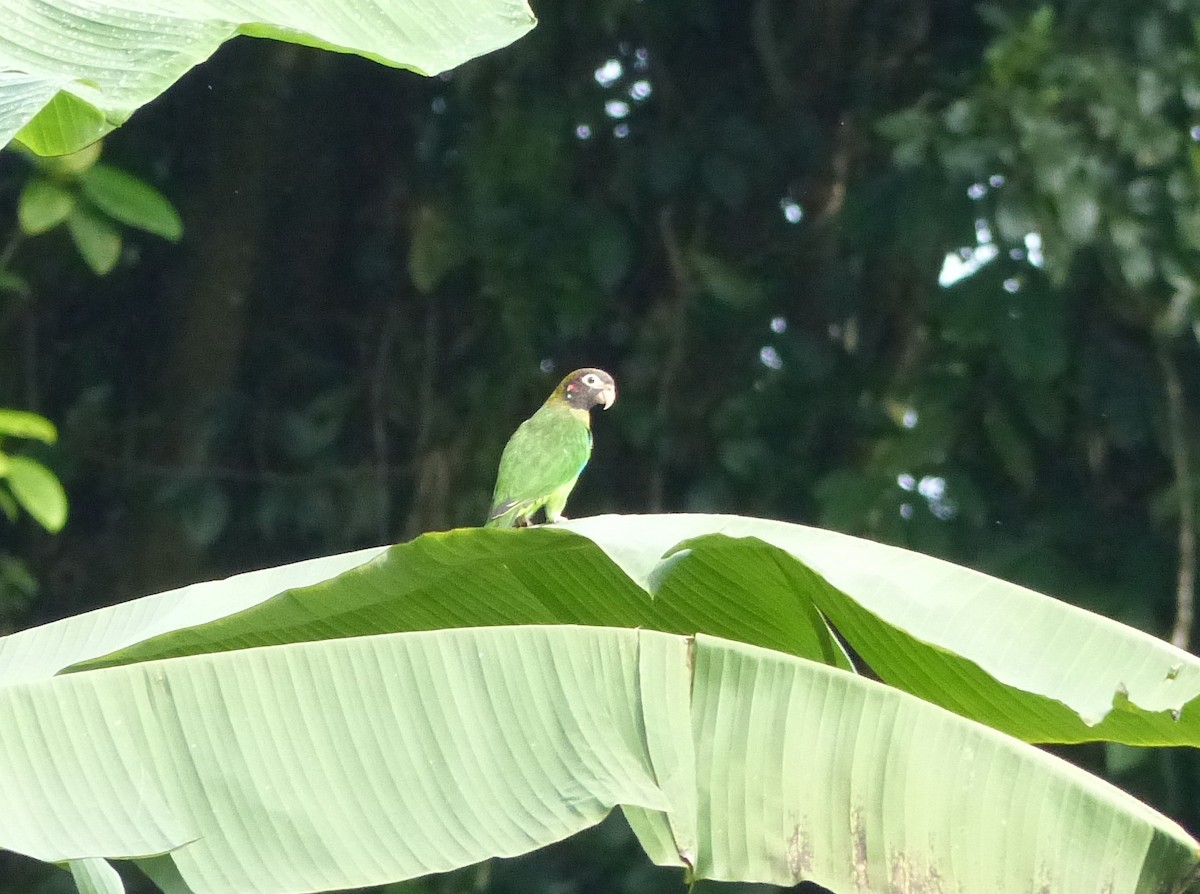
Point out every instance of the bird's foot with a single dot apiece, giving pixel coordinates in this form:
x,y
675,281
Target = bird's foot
x,y
556,518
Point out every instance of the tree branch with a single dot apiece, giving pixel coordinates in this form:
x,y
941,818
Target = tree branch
x,y
1185,580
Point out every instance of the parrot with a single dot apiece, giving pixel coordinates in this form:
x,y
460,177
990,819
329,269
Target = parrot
x,y
545,455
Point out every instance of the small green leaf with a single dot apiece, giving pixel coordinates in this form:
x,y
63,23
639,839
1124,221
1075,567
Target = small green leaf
x,y
98,241
22,424
38,491
132,201
8,505
65,123
43,205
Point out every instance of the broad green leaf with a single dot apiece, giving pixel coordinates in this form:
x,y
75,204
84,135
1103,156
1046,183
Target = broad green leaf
x,y
339,764
866,783
435,581
1035,667
23,424
75,71
982,647
22,96
97,240
38,491
487,577
41,652
43,205
323,765
132,201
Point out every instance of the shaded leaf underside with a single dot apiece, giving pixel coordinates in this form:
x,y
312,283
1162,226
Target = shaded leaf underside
x,y
70,72
364,760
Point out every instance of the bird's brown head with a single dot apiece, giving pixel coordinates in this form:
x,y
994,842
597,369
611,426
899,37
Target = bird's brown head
x,y
587,388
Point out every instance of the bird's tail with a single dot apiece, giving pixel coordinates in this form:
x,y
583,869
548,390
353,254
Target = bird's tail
x,y
503,514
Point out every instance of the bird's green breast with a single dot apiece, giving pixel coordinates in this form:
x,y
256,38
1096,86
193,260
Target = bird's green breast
x,y
548,450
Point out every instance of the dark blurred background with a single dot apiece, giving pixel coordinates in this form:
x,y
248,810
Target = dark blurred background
x,y
923,271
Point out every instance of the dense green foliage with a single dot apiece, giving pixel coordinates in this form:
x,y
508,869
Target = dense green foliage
x,y
742,211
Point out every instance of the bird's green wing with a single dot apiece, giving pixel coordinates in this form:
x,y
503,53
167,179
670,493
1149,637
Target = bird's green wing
x,y
546,452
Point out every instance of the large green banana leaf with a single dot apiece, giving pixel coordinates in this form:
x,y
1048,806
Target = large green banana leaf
x,y
1024,663
106,761
355,761
72,70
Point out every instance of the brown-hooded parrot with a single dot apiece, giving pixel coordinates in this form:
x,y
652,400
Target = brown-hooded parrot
x,y
545,455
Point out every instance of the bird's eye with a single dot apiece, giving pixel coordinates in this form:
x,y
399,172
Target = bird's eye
x,y
591,380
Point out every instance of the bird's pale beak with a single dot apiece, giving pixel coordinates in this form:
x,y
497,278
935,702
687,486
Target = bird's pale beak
x,y
609,395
